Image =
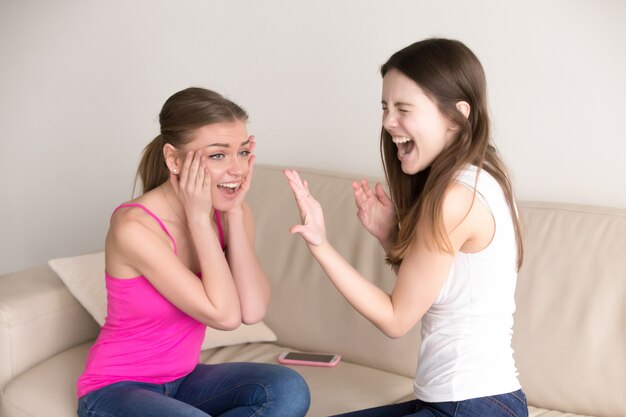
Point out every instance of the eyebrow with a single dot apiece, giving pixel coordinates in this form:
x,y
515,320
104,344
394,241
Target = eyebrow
x,y
400,103
226,145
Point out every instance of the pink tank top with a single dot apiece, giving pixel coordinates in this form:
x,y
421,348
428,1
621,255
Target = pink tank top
x,y
145,338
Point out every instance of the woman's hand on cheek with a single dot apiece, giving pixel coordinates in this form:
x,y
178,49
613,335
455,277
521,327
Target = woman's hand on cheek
x,y
312,229
193,186
245,183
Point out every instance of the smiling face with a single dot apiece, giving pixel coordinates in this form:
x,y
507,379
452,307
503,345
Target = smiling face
x,y
416,125
226,146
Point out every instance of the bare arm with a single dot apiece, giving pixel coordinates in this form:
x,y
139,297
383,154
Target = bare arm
x,y
141,248
252,284
420,276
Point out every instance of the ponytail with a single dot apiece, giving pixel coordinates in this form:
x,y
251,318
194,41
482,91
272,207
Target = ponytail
x,y
152,169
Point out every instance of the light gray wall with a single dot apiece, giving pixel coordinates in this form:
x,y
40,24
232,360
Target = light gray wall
x,y
82,82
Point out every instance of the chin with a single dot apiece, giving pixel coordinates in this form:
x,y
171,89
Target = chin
x,y
410,169
220,203
414,165
222,206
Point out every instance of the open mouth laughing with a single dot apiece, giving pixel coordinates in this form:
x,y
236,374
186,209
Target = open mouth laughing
x,y
229,187
405,145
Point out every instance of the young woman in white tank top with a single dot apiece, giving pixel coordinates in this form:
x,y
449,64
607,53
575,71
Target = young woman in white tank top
x,y
450,231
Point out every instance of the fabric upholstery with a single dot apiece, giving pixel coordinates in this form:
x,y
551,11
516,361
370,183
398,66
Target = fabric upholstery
x,y
569,336
570,325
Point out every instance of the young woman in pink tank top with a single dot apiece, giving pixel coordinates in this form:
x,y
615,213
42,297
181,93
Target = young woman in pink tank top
x,y
181,257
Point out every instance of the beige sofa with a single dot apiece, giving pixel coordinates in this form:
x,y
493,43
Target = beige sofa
x,y
570,324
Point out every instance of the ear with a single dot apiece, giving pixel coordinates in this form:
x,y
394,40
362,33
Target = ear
x,y
464,108
172,159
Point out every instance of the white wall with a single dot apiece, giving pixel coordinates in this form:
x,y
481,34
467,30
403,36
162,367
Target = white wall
x,y
82,82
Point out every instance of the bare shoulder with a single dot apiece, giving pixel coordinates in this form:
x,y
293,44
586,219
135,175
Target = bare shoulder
x,y
127,220
458,203
132,227
467,219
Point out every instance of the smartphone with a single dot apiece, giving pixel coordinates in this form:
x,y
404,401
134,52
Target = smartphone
x,y
308,359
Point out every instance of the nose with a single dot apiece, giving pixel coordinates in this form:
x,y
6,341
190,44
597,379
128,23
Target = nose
x,y
389,120
237,167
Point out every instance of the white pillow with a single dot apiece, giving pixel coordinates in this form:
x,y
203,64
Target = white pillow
x,y
83,276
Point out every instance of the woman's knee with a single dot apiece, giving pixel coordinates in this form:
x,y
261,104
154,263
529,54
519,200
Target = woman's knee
x,y
289,390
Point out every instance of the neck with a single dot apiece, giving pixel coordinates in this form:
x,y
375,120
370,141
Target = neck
x,y
173,203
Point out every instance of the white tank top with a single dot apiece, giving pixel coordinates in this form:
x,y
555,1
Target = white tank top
x,y
466,334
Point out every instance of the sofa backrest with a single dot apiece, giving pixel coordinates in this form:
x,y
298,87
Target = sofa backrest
x,y
570,325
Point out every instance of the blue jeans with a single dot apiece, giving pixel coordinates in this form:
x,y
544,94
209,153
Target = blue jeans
x,y
504,405
226,390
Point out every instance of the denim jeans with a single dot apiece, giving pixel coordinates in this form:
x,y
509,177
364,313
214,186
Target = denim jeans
x,y
226,390
504,405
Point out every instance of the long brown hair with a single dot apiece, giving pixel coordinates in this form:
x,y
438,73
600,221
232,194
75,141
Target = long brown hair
x,y
448,72
183,112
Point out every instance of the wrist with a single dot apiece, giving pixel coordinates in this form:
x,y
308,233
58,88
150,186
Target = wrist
x,y
388,241
234,219
234,213
198,220
318,247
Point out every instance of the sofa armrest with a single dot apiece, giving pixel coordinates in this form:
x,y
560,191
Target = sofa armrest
x,y
38,319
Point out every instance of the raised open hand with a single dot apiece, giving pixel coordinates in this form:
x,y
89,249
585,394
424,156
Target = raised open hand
x,y
375,210
312,229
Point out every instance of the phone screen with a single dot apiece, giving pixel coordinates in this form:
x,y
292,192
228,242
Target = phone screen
x,y
311,357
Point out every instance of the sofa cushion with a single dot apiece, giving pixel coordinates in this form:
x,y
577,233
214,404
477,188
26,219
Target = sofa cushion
x,y
333,390
542,412
83,275
48,389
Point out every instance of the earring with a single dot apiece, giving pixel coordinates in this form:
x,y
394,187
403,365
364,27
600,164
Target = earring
x,y
175,170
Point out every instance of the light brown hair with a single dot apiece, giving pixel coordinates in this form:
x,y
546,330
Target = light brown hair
x,y
182,113
448,72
